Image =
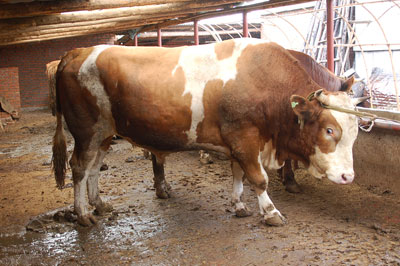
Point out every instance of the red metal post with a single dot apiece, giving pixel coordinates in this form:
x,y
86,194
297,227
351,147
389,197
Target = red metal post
x,y
245,25
135,40
329,33
196,32
159,39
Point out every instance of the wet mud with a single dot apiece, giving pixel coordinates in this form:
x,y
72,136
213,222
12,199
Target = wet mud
x,y
327,224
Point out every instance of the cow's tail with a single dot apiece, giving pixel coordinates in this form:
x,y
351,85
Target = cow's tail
x,y
60,155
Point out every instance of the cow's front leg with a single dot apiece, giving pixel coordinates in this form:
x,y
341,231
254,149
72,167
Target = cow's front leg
x,y
161,186
287,176
259,179
249,159
241,209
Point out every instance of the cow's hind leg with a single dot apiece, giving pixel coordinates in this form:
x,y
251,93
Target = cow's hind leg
x,y
160,184
93,184
287,177
241,209
81,163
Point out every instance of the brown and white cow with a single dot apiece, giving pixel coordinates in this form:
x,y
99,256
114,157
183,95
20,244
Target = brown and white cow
x,y
241,97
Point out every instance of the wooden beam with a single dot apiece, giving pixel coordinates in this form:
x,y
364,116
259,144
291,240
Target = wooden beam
x,y
249,8
47,32
39,8
72,17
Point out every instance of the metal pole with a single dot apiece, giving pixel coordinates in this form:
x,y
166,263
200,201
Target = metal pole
x,y
196,32
329,33
245,25
159,39
135,40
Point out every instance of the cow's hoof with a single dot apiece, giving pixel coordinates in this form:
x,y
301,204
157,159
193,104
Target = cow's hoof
x,y
243,212
162,194
87,220
103,209
275,220
163,191
293,188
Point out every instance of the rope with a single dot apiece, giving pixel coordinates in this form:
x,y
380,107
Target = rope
x,y
372,117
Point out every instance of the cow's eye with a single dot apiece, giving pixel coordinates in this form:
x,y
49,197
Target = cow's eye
x,y
329,131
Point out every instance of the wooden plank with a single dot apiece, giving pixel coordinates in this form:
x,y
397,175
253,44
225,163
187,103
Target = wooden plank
x,y
38,8
116,13
35,33
259,6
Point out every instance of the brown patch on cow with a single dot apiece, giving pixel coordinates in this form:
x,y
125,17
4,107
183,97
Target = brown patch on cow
x,y
146,95
224,50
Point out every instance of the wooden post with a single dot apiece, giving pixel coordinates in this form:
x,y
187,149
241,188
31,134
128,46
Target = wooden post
x,y
245,25
196,32
159,39
135,41
329,34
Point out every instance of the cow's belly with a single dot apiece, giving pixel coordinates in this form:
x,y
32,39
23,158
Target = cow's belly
x,y
163,128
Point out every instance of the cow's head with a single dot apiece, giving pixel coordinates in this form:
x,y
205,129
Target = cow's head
x,y
327,135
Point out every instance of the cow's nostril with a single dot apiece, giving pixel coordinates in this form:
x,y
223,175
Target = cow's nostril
x,y
344,177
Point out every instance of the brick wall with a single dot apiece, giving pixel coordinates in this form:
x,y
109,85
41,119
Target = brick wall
x,y
9,88
31,59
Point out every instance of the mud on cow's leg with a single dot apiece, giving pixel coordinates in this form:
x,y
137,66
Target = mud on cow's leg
x,y
160,184
93,183
241,209
287,176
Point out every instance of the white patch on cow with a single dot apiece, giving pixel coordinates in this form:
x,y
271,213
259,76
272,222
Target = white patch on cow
x,y
267,208
268,157
338,164
237,173
89,78
200,65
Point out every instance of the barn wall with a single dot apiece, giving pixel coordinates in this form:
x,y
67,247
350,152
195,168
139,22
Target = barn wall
x,y
377,160
31,60
9,88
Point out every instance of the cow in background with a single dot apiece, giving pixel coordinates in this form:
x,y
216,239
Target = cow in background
x,y
245,98
51,69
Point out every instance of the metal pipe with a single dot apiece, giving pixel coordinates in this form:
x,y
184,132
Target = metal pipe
x,y
245,25
159,39
329,33
196,32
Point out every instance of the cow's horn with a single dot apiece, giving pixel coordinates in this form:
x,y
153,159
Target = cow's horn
x,y
318,92
322,98
358,100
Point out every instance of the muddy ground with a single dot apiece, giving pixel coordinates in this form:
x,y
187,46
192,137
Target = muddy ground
x,y
328,224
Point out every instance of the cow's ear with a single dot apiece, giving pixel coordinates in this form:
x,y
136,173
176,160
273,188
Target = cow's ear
x,y
301,107
346,86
